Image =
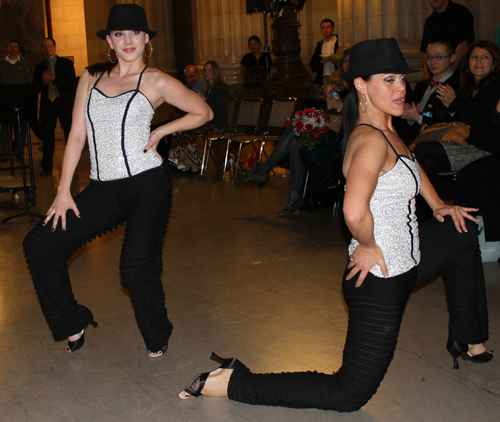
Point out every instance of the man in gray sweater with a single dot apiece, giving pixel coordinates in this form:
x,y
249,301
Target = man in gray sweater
x,y
14,70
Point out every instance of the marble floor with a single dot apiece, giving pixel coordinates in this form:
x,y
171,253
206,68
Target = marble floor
x,y
240,282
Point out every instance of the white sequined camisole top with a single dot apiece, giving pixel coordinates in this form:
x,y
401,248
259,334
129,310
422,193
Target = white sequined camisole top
x,y
118,130
393,208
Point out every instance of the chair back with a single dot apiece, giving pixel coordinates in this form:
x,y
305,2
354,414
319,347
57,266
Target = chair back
x,y
230,114
280,110
249,113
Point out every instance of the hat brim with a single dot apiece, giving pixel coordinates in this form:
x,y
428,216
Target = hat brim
x,y
350,76
103,32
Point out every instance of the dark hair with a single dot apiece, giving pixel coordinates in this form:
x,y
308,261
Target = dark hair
x,y
98,68
254,38
51,39
14,40
327,20
467,81
451,46
216,70
350,114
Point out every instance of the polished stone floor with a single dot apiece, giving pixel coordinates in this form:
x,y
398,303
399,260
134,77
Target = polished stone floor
x,y
239,281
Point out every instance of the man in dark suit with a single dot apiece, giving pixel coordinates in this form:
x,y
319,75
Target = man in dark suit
x,y
322,61
56,79
426,107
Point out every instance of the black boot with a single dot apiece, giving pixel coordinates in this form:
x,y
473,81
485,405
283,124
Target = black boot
x,y
295,201
259,174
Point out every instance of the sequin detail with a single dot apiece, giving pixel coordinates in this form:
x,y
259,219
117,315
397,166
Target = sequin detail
x,y
395,225
118,129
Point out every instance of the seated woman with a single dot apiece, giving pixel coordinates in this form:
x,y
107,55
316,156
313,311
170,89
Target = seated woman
x,y
479,183
476,100
185,156
287,146
383,180
253,66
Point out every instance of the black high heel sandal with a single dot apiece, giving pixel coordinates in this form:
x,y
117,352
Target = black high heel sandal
x,y
73,346
461,350
194,388
484,357
159,353
456,349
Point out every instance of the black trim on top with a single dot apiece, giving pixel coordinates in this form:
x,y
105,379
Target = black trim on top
x,y
398,157
124,119
93,135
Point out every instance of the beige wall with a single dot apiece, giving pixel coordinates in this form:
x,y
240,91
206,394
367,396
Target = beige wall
x,y
68,29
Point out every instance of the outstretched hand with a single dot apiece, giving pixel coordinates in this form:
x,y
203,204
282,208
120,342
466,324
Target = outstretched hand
x,y
457,213
363,260
58,210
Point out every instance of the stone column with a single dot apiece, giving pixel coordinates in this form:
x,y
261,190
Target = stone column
x,y
159,14
223,29
361,20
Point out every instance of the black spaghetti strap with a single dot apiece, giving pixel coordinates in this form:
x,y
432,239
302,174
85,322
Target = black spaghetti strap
x,y
98,79
385,136
140,77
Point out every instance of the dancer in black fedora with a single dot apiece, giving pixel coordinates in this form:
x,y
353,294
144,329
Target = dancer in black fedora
x,y
114,105
389,254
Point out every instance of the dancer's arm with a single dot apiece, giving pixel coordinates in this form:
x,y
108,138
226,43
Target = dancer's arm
x,y
160,88
440,209
365,159
72,153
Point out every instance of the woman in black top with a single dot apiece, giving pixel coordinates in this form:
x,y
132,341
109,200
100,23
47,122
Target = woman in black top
x,y
474,104
253,64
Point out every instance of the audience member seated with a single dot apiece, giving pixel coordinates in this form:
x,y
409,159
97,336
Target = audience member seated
x,y
193,81
217,97
253,65
478,185
478,95
426,107
287,146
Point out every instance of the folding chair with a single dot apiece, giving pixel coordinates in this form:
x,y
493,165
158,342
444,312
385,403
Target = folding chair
x,y
248,117
280,110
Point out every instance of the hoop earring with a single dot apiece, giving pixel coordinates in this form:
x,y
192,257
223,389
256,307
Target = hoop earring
x,y
366,105
109,56
151,52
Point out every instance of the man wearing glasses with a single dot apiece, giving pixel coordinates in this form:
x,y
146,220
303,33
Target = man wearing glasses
x,y
426,107
56,79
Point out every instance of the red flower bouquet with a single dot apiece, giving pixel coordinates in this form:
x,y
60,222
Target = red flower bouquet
x,y
310,127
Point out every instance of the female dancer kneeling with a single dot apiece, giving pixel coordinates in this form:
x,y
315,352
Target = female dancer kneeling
x,y
385,259
114,105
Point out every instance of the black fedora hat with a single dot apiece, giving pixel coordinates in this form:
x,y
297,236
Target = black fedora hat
x,y
376,56
126,17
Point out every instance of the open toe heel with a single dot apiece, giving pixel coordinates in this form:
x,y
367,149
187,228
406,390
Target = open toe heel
x,y
73,346
195,387
159,353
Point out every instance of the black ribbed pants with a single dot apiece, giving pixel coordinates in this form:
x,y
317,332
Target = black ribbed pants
x,y
142,202
375,313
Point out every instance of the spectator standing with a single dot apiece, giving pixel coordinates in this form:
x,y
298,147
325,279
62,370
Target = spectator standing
x,y
14,70
56,79
321,61
449,20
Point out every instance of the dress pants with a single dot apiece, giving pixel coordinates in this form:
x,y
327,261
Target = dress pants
x,y
49,113
375,313
142,202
